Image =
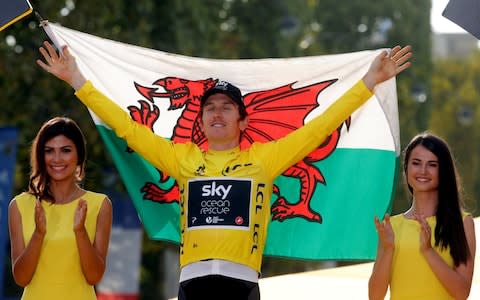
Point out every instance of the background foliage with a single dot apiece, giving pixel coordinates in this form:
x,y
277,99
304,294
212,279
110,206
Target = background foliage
x,y
242,29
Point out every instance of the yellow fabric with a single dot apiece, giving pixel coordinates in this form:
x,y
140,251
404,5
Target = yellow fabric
x,y
58,275
411,276
260,164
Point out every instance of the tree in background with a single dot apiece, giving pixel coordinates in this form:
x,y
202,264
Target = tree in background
x,y
214,29
455,97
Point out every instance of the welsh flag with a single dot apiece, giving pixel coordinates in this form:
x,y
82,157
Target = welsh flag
x,y
323,206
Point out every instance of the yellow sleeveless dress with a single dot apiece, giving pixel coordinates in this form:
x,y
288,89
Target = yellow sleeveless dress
x,y
58,275
411,276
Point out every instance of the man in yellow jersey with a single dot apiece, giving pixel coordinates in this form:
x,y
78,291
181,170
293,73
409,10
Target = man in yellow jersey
x,y
225,191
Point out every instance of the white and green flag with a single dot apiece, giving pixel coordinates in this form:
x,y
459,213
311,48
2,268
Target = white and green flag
x,y
323,206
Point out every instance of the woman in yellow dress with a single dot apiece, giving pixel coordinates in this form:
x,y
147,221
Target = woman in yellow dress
x,y
428,251
59,232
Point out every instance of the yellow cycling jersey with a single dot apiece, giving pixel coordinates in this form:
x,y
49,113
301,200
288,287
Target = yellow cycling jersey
x,y
224,195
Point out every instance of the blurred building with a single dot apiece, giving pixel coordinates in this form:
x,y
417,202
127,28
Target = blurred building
x,y
453,45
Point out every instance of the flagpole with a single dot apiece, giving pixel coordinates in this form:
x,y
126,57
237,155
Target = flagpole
x,y
45,25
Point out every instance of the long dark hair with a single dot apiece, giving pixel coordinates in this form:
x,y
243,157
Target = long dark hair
x,y
39,180
449,231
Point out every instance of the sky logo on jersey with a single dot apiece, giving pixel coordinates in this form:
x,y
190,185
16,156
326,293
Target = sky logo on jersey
x,y
214,190
219,202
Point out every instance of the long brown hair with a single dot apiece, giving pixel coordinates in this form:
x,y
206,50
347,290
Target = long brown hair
x,y
449,231
39,179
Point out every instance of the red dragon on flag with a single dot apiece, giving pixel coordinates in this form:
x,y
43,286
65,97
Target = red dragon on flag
x,y
272,114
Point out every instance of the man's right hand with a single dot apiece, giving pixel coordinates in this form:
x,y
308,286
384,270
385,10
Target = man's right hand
x,y
61,66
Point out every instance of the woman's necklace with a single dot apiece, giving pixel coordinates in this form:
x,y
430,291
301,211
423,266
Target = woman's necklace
x,y
73,196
